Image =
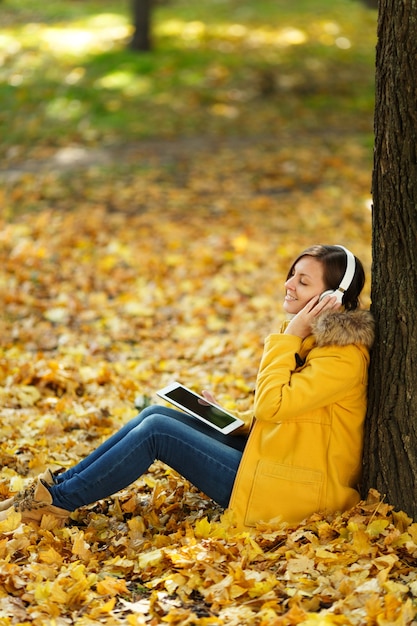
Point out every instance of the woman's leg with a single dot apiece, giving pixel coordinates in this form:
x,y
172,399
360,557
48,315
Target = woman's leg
x,y
204,456
107,445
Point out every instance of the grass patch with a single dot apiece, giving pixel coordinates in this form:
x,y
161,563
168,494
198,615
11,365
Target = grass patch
x,y
224,68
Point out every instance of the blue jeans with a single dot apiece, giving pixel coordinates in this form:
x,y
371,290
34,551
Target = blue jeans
x,y
202,455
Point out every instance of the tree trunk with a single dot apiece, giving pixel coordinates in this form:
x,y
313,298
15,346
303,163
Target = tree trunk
x,y
390,455
142,11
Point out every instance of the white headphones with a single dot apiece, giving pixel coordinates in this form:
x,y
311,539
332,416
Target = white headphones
x,y
346,280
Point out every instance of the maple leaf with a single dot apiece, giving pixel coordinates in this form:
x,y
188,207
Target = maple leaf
x,y
11,523
111,586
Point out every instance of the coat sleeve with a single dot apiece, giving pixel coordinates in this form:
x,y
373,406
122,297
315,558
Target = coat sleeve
x,y
284,392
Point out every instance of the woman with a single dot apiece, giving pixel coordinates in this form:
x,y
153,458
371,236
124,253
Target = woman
x,y
303,451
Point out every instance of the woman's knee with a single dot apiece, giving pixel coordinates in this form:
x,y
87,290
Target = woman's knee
x,y
153,417
163,421
163,412
150,410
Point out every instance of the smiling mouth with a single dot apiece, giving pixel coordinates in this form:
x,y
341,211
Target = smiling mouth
x,y
289,297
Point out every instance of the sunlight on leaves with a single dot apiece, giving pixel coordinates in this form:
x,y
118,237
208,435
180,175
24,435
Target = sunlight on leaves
x,y
95,320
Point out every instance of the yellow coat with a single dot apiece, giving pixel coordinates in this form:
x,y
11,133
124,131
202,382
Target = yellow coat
x,y
304,452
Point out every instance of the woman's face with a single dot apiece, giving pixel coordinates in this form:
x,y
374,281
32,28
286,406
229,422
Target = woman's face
x,y
305,282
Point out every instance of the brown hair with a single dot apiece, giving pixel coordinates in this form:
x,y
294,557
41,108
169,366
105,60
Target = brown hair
x,y
334,262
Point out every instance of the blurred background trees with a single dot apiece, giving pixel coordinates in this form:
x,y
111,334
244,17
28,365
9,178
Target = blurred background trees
x,y
142,21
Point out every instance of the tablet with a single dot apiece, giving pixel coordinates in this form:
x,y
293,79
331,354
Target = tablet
x,y
199,407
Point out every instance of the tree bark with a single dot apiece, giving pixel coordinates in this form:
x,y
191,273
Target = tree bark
x,y
142,12
390,454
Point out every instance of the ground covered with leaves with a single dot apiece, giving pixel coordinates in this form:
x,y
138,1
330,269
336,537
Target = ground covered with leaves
x,y
114,283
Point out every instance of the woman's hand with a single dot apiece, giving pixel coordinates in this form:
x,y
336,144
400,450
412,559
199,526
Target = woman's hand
x,y
209,397
300,325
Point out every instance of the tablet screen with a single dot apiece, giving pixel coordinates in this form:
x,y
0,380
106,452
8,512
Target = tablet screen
x,y
211,413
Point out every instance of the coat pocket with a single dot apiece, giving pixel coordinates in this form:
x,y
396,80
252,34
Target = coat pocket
x,y
291,493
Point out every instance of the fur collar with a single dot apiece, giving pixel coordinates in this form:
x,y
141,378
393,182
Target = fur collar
x,y
343,328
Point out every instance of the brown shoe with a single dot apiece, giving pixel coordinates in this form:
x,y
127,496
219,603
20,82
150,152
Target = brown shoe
x,y
36,504
47,477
